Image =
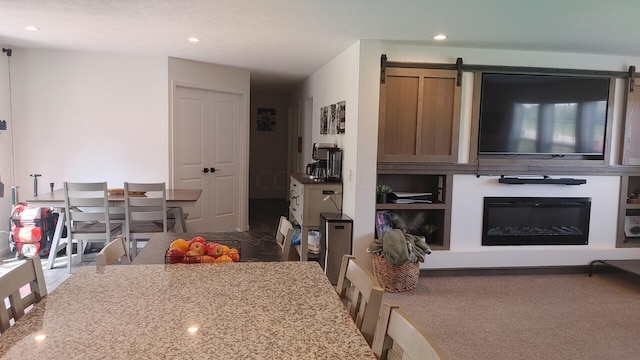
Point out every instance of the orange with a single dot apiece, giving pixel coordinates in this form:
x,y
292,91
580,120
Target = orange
x,y
225,249
224,259
234,254
181,244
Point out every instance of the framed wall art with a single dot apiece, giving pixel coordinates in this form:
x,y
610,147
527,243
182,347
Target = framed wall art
x,y
266,119
332,119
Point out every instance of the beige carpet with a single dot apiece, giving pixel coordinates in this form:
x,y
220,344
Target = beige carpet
x,y
563,316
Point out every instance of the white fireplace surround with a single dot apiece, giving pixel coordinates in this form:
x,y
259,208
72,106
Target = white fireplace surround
x,y
466,250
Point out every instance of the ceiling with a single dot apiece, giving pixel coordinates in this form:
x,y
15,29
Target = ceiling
x,y
284,41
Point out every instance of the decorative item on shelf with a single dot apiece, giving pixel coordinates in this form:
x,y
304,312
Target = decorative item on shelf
x,y
396,259
427,230
382,191
634,197
632,226
383,223
408,221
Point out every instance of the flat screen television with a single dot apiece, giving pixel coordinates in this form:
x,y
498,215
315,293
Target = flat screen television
x,y
543,116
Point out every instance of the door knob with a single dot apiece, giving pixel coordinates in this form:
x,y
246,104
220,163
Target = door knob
x,y
205,170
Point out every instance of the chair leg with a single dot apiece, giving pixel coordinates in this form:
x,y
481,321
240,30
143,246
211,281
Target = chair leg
x,y
134,248
69,252
127,245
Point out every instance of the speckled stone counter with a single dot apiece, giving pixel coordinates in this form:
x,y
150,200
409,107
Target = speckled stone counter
x,y
253,310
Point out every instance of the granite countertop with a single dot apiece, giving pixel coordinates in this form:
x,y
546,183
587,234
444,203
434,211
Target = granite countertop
x,y
254,310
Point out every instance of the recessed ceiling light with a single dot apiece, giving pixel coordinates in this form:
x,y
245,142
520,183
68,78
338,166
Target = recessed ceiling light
x,y
440,37
194,39
31,28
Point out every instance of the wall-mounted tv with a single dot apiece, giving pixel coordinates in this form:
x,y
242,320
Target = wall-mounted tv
x,y
543,116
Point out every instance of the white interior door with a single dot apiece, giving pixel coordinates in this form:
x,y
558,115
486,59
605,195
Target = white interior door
x,y
207,155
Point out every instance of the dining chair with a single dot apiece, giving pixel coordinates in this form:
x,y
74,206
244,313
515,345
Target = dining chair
x,y
361,294
112,252
12,283
283,238
87,216
398,336
145,208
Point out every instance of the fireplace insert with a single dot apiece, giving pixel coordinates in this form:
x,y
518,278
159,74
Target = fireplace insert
x,y
535,221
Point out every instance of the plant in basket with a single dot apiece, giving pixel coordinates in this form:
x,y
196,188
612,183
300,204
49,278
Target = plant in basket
x,y
396,259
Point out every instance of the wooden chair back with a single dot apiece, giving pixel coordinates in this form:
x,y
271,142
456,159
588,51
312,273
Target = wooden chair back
x,y
398,337
87,215
283,237
28,274
361,293
145,212
112,252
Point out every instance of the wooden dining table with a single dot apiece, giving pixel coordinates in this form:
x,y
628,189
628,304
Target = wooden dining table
x,y
244,310
177,199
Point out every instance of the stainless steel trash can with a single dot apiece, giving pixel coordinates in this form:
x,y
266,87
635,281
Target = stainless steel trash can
x,y
336,231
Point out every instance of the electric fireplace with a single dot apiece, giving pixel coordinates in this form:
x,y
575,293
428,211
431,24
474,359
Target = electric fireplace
x,y
511,221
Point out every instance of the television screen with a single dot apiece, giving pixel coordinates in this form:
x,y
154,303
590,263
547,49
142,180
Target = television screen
x,y
543,115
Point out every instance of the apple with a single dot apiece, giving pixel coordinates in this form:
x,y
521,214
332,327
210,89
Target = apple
x,y
208,259
192,257
215,250
198,248
196,239
176,255
212,249
218,250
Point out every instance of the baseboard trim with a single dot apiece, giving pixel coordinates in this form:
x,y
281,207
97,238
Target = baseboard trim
x,y
537,270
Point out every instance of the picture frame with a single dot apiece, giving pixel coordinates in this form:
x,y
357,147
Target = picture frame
x,y
266,120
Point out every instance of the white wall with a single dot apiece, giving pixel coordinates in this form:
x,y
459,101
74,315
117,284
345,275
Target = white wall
x,y
6,170
268,176
468,191
339,80
82,116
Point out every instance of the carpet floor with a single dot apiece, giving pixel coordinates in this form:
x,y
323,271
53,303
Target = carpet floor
x,y
511,317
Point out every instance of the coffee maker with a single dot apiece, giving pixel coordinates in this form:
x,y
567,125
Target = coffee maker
x,y
334,165
328,163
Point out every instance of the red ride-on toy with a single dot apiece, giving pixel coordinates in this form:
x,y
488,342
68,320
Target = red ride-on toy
x,y
31,230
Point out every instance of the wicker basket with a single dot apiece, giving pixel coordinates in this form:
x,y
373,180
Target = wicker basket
x,y
395,278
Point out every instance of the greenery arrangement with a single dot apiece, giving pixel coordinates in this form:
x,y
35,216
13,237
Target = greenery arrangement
x,y
428,229
381,193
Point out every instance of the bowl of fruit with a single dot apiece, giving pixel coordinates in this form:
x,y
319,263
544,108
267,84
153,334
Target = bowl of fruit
x,y
199,250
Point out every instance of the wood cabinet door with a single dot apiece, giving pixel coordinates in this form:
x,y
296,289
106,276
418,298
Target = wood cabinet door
x,y
631,146
419,116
